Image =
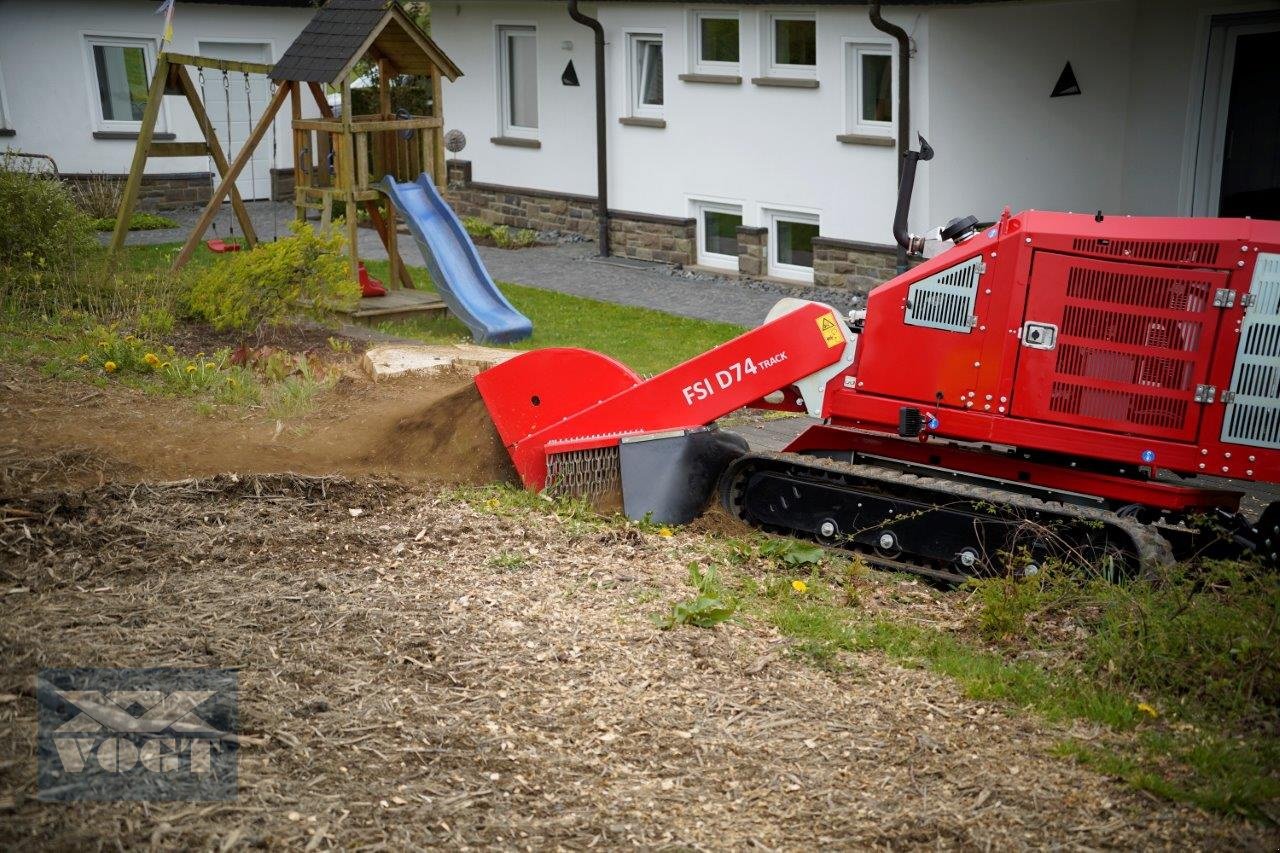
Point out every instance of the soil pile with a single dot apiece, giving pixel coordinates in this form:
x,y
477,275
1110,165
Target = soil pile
x,y
451,439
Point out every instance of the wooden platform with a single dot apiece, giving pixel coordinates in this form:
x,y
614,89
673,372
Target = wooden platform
x,y
398,304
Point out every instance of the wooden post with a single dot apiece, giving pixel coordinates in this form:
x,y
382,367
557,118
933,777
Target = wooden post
x,y
393,246
347,150
155,96
437,133
295,112
188,88
228,180
384,108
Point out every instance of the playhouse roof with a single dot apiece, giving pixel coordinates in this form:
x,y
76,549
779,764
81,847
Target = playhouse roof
x,y
343,31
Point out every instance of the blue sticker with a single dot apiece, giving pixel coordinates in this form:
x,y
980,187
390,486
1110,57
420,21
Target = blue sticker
x,y
992,233
933,423
1148,456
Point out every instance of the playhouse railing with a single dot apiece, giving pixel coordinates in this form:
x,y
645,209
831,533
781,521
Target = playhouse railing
x,y
351,158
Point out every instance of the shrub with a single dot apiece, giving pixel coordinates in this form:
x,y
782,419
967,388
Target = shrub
x,y
262,287
42,232
503,236
98,196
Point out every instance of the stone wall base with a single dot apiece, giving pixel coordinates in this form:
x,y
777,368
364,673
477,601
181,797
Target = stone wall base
x,y
159,192
642,236
844,264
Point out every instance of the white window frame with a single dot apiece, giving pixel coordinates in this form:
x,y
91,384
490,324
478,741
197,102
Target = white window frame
x,y
699,206
704,66
770,216
502,32
5,119
768,33
636,108
148,45
854,50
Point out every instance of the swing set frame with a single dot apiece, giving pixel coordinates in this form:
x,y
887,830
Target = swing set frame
x,y
171,77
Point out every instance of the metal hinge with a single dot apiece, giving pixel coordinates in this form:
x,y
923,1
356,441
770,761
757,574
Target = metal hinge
x,y
1248,299
1227,396
1206,393
1224,297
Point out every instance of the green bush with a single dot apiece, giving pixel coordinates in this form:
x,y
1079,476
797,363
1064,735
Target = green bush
x,y
42,232
503,236
252,290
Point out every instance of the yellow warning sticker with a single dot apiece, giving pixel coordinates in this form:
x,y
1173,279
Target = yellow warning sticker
x,y
830,330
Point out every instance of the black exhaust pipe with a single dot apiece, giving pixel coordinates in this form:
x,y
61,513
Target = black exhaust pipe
x,y
911,243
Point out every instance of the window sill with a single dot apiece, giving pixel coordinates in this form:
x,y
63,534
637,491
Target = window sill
x,y
515,141
721,79
640,121
126,134
865,139
8,131
786,82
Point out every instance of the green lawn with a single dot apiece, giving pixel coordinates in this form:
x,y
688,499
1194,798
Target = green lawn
x,y
645,340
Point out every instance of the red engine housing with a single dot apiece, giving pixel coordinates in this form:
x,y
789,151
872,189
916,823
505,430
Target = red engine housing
x,y
1147,342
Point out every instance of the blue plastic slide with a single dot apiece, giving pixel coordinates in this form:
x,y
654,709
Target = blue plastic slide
x,y
455,266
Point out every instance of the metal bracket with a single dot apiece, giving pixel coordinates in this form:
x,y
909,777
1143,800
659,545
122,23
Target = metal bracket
x,y
1248,299
1227,396
1205,393
1224,297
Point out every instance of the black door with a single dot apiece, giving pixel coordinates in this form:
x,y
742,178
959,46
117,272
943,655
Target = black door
x,y
1251,157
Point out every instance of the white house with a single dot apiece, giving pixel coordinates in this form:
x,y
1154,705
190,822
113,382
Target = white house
x,y
74,77
738,132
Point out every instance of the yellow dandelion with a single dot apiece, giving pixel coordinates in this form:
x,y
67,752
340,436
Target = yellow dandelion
x,y
82,359
104,344
208,365
191,368
1149,710
109,367
151,359
492,503
231,381
800,586
665,532
129,338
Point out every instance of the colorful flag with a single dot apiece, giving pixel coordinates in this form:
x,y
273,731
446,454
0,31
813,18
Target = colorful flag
x,y
167,8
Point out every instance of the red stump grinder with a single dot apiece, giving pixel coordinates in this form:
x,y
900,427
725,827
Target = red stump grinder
x,y
1052,386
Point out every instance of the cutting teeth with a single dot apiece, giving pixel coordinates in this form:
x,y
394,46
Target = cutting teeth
x,y
594,474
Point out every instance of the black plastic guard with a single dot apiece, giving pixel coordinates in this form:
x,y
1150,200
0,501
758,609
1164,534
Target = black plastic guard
x,y
669,478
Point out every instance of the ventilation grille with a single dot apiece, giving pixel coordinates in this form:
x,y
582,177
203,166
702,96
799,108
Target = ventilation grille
x,y
1149,291
1105,404
946,299
1166,251
1151,371
1108,327
1253,413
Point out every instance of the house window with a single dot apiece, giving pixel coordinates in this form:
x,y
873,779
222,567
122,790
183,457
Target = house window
x,y
792,44
121,75
870,89
718,234
518,81
645,73
715,38
791,244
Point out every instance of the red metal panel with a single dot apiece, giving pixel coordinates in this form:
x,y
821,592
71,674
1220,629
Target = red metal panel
x,y
1133,342
1123,490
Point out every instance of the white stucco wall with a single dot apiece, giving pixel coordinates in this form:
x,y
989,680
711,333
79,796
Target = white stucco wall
x,y
566,115
50,93
750,145
981,80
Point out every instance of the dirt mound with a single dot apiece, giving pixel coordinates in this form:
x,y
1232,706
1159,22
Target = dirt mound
x,y
451,439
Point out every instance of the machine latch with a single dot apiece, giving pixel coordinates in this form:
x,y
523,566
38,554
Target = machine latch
x,y
1227,396
1248,299
1039,335
1224,297
1205,393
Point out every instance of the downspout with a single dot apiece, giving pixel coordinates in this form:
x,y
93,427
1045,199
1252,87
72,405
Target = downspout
x,y
904,101
602,166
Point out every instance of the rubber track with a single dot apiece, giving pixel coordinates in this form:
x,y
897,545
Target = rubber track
x,y
1152,549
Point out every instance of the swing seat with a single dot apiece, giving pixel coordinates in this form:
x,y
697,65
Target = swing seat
x,y
221,246
370,286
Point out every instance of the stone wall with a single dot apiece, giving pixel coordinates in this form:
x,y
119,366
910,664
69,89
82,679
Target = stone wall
x,y
641,236
851,265
160,192
753,251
